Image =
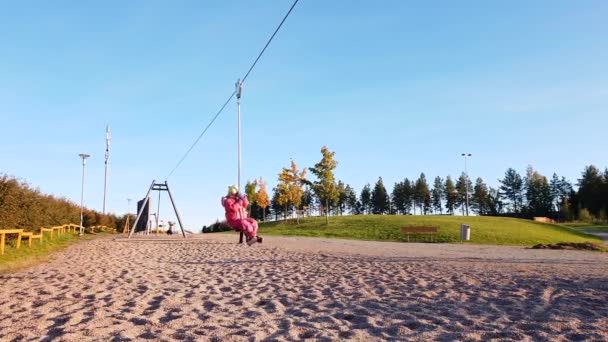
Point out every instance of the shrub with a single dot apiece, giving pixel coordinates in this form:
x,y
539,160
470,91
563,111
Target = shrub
x,y
585,216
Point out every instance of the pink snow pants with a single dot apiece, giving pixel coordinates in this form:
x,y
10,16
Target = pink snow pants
x,y
247,225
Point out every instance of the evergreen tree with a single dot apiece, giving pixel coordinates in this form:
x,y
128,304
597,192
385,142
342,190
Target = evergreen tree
x,y
495,204
398,198
408,195
341,200
480,199
380,199
463,187
366,199
351,199
308,200
277,206
451,196
512,188
538,193
438,195
590,187
422,194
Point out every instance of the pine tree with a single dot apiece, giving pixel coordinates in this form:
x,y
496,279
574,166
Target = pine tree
x,y
480,199
437,194
590,190
351,199
380,199
308,200
397,198
422,194
341,202
366,199
512,188
494,202
277,206
463,186
451,196
538,193
408,195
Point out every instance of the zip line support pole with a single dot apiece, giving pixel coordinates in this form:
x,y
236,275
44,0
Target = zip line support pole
x,y
239,92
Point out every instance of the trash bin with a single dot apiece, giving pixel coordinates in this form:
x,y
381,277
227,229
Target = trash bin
x,y
465,232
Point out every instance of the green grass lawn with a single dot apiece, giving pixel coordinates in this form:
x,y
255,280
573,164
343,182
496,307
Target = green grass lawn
x,y
14,259
484,229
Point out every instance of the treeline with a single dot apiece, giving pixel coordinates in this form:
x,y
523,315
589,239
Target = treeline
x,y
525,196
23,207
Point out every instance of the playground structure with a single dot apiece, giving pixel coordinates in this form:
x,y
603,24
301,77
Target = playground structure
x,y
160,187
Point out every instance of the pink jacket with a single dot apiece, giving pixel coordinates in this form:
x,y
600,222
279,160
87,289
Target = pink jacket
x,y
235,206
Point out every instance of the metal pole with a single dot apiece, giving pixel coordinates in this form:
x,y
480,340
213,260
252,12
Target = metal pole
x,y
466,172
466,184
82,198
179,220
84,157
105,178
239,91
143,206
157,211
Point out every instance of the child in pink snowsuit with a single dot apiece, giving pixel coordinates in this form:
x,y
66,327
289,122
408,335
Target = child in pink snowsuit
x,y
236,206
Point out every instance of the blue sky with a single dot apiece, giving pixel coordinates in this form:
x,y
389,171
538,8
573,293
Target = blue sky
x,y
395,88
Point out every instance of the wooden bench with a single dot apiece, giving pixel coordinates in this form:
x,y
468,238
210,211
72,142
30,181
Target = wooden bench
x,y
4,232
425,230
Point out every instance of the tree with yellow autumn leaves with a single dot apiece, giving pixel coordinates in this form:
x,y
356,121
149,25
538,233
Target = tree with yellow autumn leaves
x,y
289,187
262,197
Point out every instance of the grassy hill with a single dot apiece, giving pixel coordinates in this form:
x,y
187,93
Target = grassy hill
x,y
484,229
585,226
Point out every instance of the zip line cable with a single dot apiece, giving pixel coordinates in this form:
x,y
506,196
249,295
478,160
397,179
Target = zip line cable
x,y
234,92
201,135
270,40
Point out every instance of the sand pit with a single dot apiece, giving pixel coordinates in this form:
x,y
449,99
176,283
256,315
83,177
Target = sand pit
x,y
295,288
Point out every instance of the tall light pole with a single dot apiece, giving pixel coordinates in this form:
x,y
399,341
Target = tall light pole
x,y
84,158
105,178
466,184
239,92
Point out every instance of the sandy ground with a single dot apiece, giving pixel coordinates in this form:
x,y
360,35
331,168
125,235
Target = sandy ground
x,y
211,289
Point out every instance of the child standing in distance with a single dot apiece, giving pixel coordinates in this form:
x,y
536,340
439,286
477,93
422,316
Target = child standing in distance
x,y
235,205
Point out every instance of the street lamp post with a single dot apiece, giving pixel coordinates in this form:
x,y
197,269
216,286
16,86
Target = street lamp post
x,y
466,172
84,158
239,92
105,177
